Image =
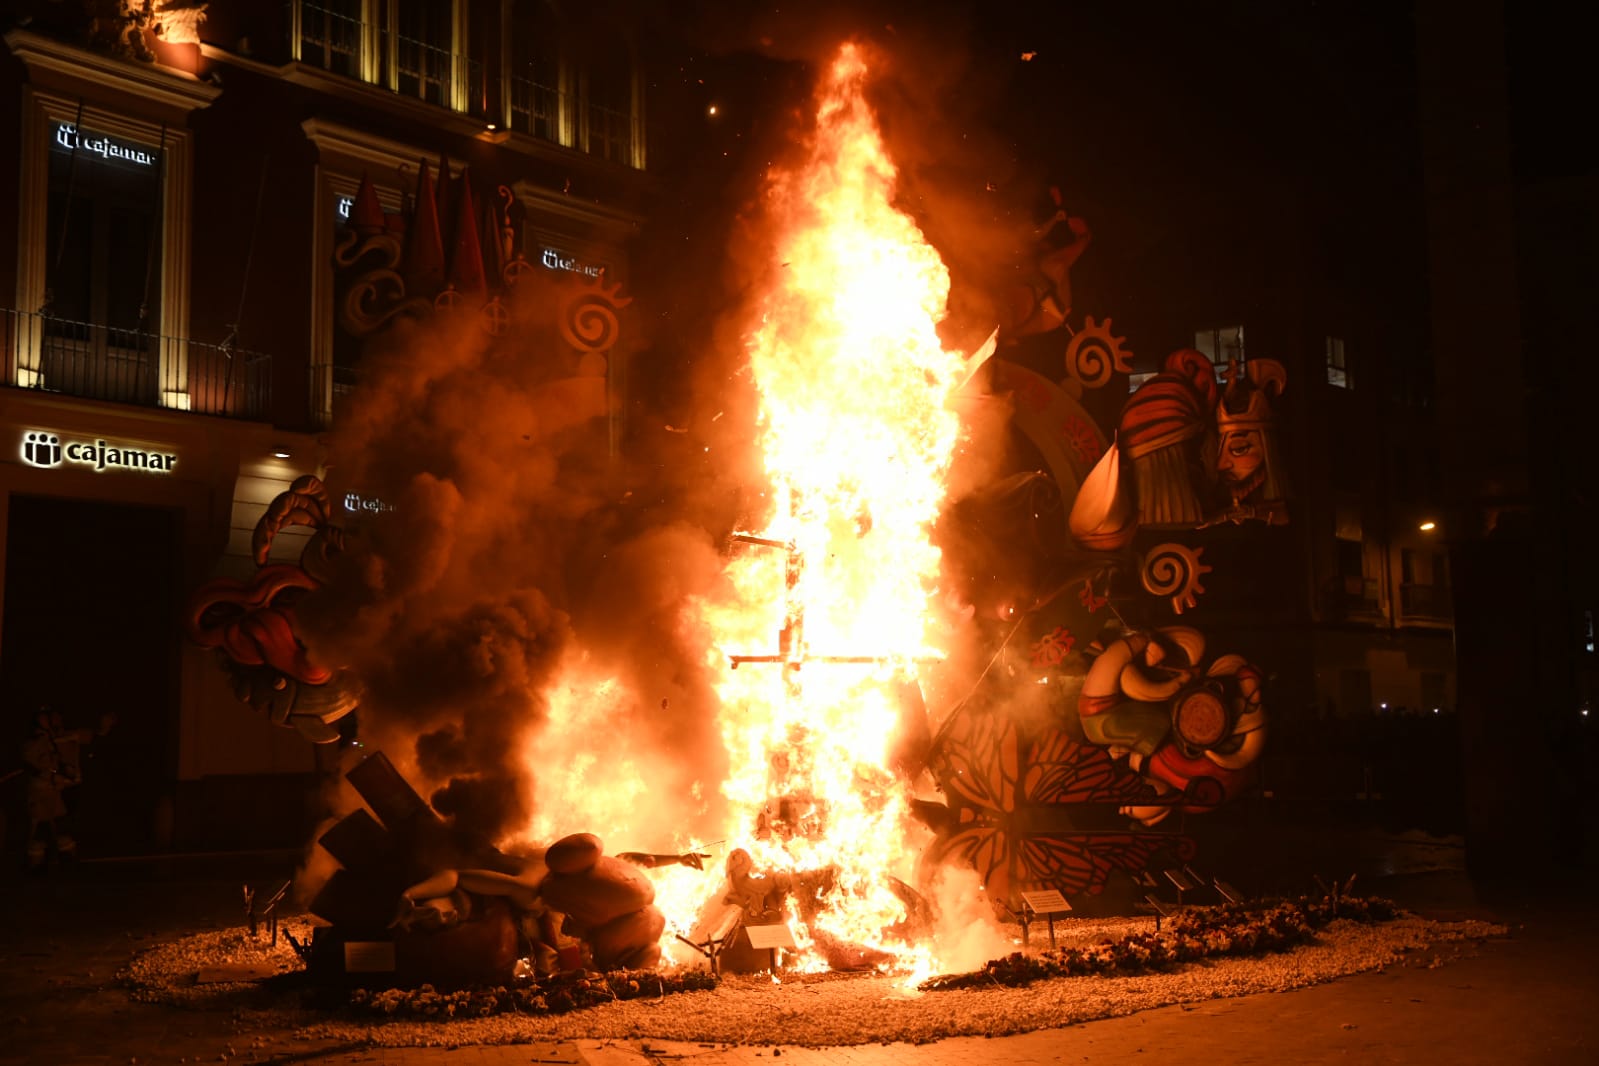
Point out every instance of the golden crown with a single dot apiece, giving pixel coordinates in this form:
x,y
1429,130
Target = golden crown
x,y
1251,388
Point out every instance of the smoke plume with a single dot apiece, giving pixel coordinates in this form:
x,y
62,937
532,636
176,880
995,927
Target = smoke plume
x,y
508,551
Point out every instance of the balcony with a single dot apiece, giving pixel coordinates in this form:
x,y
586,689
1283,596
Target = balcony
x,y
50,354
611,134
536,108
333,36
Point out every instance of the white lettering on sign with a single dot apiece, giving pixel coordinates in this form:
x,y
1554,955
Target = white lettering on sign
x,y
1046,902
554,260
68,137
46,450
344,205
358,504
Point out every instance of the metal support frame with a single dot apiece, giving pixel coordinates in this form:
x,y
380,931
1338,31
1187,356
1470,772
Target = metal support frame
x,y
267,911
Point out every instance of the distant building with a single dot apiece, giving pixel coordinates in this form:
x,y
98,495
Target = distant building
x,y
172,341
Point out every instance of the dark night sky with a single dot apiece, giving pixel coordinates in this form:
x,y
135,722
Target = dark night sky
x,y
1209,140
1189,134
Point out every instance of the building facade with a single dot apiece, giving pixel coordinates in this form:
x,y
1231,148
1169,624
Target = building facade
x,y
178,330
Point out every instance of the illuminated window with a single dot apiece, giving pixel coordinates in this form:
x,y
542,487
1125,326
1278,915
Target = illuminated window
x,y
345,155
608,127
1221,346
103,235
330,35
417,39
104,227
413,47
1337,368
534,71
103,265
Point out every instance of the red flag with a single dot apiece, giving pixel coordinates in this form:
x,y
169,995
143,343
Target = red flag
x,y
366,214
466,258
422,264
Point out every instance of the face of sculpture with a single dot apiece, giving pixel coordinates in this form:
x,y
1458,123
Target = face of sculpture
x,y
1241,460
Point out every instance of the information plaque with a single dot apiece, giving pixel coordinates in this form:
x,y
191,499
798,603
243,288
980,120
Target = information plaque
x,y
770,936
1047,902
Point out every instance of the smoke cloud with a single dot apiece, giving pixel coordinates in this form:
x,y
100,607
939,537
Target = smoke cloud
x,y
511,549
516,613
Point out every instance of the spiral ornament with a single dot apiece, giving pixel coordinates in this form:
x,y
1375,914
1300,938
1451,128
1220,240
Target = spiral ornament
x,y
1173,570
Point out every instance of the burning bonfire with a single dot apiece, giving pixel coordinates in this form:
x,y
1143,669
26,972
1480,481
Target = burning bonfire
x,y
832,603
854,830
828,607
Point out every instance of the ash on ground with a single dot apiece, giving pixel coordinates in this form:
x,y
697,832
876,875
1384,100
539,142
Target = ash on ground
x,y
803,1011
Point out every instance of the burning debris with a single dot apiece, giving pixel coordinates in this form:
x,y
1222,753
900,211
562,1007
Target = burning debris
x,y
419,901
916,658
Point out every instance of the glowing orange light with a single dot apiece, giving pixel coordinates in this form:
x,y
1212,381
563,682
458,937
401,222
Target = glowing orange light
x,y
857,436
835,597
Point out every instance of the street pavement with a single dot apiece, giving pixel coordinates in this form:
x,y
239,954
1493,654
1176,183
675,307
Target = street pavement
x,y
1529,997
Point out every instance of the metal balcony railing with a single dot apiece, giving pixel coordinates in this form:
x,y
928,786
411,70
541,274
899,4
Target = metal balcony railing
x,y
330,36
98,362
610,134
422,70
535,108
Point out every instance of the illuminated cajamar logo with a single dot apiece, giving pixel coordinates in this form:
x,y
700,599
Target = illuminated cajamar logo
x,y
554,260
68,137
44,449
357,504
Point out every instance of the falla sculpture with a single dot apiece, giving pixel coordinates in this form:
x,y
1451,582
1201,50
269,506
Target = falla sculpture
x,y
1133,722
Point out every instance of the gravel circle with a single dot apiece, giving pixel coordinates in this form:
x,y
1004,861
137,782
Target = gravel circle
x,y
824,1011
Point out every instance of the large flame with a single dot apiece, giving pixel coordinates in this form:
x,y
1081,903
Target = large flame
x,y
858,437
834,595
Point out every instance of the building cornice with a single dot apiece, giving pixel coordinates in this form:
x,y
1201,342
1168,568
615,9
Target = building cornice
x,y
363,94
336,140
612,221
429,116
222,55
150,81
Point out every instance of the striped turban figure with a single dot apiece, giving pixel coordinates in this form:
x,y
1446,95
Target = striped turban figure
x,y
1165,430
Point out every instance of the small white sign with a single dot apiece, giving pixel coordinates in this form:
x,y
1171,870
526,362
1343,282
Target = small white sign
x,y
355,503
369,956
68,137
771,936
558,260
1047,902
